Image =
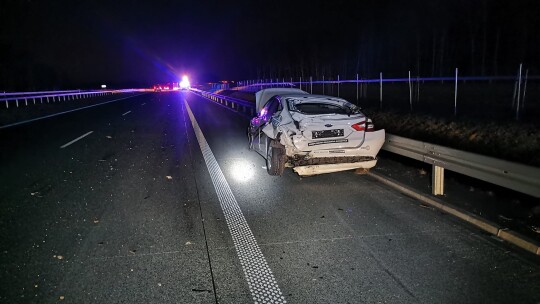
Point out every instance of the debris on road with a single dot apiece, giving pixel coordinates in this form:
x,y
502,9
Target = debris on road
x,y
504,218
168,177
535,229
201,290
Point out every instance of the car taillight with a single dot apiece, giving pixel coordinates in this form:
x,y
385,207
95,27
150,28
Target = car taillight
x,y
359,126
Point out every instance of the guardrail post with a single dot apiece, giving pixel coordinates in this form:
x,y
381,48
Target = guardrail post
x,y
437,180
17,102
7,105
26,102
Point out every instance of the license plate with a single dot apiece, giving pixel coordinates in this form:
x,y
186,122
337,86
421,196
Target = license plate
x,y
327,133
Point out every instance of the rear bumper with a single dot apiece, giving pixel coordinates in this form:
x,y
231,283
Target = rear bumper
x,y
369,149
329,160
330,168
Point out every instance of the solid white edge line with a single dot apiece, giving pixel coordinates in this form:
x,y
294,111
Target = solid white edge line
x,y
126,113
76,139
65,112
260,279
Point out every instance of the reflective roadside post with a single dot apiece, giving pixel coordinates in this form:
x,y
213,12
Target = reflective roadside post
x,y
356,87
338,85
410,92
455,94
380,90
519,91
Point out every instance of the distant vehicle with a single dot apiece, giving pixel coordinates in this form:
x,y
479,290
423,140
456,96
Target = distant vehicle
x,y
171,86
184,84
313,134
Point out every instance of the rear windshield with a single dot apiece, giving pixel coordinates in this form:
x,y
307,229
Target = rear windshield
x,y
321,108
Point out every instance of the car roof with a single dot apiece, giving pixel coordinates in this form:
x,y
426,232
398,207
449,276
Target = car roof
x,y
312,98
262,96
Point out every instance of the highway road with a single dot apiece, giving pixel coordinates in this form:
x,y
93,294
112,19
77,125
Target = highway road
x,y
156,199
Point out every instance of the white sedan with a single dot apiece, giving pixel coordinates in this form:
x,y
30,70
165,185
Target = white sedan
x,y
313,134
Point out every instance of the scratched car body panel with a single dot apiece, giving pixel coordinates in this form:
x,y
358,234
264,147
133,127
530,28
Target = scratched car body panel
x,y
313,134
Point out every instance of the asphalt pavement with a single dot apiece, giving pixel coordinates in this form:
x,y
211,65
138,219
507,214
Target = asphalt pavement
x,y
137,201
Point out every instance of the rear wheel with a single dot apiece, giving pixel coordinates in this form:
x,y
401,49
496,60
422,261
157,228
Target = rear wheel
x,y
275,158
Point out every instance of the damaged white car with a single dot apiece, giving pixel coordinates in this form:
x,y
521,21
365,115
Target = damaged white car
x,y
313,134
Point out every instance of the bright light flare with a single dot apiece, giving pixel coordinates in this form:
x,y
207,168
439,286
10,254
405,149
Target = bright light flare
x,y
184,84
242,170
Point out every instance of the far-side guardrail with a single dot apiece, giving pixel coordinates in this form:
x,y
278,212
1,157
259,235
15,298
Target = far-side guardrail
x,y
24,98
518,177
244,107
37,93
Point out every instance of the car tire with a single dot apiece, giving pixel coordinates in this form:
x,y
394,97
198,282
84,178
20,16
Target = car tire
x,y
275,158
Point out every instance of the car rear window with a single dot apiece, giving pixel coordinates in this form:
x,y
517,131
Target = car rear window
x,y
321,108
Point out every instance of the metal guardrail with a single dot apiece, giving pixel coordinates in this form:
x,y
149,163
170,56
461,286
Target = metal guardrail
x,y
36,93
16,99
241,106
518,177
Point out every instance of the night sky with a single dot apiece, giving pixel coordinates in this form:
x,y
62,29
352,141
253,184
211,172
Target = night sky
x,y
82,44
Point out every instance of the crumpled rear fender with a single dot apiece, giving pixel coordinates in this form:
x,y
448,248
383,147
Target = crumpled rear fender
x,y
270,131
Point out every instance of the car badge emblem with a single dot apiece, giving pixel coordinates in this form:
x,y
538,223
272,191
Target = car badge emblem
x,y
328,125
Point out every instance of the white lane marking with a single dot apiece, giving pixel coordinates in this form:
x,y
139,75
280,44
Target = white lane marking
x,y
261,281
76,139
65,112
126,113
142,104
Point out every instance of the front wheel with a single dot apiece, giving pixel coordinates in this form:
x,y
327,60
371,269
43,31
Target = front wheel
x,y
275,158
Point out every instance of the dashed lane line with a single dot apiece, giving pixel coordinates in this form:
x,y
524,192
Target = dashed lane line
x,y
260,280
126,113
76,139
